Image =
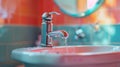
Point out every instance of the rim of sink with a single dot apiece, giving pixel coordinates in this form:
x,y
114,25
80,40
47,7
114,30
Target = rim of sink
x,y
84,50
112,54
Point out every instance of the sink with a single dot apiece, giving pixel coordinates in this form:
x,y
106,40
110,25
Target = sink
x,y
70,56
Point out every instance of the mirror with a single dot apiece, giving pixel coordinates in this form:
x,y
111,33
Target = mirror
x,y
79,8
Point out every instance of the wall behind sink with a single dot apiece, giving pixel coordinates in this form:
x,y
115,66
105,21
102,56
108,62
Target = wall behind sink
x,y
106,35
19,27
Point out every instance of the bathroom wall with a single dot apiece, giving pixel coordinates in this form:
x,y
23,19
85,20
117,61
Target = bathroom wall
x,y
20,22
28,12
20,12
19,27
106,35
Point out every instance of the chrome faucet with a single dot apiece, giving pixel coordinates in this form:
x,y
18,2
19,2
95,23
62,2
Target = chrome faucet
x,y
47,30
79,34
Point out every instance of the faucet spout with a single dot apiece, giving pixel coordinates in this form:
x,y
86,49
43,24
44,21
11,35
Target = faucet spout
x,y
60,34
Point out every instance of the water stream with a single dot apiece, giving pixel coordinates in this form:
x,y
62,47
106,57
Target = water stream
x,y
66,45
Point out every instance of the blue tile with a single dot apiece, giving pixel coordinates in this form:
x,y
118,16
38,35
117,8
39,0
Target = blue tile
x,y
71,30
3,53
25,33
102,36
116,36
6,34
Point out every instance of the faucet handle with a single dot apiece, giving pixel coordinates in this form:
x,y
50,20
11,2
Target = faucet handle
x,y
47,16
66,35
54,13
79,34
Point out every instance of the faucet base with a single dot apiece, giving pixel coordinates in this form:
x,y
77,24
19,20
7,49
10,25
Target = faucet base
x,y
44,45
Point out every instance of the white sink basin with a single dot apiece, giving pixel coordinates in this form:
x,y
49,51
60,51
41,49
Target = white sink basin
x,y
70,56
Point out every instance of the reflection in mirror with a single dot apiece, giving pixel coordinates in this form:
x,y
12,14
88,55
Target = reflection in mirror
x,y
79,8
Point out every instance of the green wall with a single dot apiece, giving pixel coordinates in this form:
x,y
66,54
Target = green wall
x,y
12,37
106,35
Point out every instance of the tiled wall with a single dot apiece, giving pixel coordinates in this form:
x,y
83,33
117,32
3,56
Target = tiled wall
x,y
19,27
106,35
12,37
20,12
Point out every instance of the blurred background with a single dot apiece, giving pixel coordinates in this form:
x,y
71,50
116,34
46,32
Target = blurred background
x,y
20,23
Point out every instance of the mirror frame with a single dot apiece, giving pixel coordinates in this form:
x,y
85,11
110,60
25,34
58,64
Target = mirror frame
x,y
86,13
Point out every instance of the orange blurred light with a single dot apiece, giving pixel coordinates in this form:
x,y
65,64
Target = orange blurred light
x,y
1,22
102,16
111,3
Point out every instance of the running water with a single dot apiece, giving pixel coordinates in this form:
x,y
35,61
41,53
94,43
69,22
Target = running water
x,y
66,45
